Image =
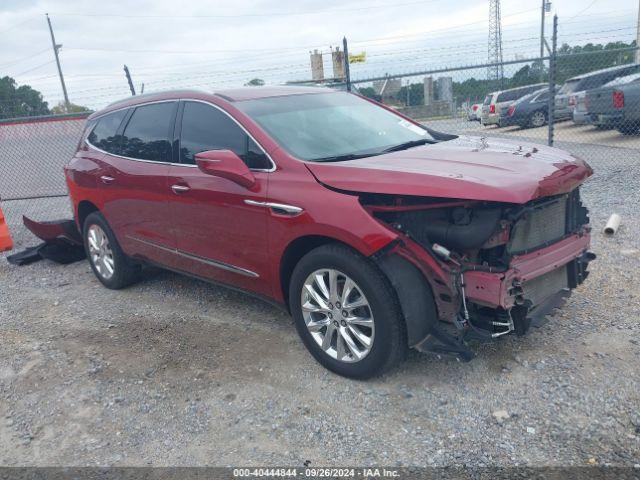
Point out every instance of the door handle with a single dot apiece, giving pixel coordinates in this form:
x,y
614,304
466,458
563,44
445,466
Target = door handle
x,y
277,208
106,179
178,189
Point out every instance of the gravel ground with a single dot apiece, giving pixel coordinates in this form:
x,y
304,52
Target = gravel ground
x,y
174,371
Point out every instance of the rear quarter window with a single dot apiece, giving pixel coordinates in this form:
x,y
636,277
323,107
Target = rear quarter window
x,y
146,136
104,132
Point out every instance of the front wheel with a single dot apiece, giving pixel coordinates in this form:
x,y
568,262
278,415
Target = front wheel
x,y
108,261
346,312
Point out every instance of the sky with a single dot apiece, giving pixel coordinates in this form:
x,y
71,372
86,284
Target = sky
x,y
213,44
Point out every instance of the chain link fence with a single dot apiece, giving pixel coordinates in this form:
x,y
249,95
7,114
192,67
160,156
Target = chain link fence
x,y
586,102
33,152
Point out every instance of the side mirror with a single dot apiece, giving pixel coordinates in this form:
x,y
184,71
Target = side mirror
x,y
225,164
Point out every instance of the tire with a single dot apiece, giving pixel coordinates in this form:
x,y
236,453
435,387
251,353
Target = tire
x,y
386,330
537,119
107,260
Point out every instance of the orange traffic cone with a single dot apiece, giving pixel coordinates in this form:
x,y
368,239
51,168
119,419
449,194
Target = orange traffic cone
x,y
5,239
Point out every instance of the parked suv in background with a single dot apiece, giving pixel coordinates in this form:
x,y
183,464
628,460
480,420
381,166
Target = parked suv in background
x,y
617,104
573,91
496,101
583,113
377,234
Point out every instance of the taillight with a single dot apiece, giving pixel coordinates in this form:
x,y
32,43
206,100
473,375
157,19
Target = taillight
x,y
572,101
492,108
618,99
586,103
512,109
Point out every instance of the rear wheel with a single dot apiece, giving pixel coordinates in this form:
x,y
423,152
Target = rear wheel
x,y
346,312
537,119
108,262
630,128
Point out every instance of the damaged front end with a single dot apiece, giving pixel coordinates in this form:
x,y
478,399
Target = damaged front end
x,y
492,268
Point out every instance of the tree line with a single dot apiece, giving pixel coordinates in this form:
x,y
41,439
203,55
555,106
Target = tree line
x,y
24,101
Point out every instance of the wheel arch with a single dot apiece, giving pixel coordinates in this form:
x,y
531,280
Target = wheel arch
x,y
414,295
85,208
294,252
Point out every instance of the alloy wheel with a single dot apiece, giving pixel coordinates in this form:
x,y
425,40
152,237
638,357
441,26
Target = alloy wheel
x,y
538,119
338,315
100,252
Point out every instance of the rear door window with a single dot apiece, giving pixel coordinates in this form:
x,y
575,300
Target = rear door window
x,y
206,128
104,134
146,136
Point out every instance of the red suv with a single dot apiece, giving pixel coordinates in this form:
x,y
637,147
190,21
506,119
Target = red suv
x,y
376,233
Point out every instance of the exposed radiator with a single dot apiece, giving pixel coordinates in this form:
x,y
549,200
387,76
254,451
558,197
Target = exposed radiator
x,y
541,288
542,225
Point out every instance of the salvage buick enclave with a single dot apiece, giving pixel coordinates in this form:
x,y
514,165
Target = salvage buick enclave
x,y
376,233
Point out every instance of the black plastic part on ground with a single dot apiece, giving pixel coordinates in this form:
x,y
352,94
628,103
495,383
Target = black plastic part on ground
x,y
59,251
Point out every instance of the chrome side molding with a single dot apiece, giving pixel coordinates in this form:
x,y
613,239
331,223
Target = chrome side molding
x,y
197,258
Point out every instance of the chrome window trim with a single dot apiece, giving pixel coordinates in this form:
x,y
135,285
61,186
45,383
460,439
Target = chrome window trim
x,y
207,261
266,170
137,159
122,156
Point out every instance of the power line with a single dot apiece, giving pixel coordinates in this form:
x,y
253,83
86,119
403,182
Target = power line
x,y
274,49
13,62
583,10
19,24
34,68
445,30
247,15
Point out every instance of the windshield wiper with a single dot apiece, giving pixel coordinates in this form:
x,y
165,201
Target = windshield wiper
x,y
407,145
342,158
355,156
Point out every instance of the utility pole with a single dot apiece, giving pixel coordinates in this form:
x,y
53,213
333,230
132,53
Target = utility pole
x,y
638,35
552,83
542,12
408,87
56,48
347,74
131,87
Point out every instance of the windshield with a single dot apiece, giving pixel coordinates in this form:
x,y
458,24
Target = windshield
x,y
569,87
332,126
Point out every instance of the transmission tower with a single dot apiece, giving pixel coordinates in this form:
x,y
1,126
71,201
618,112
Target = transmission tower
x,y
495,43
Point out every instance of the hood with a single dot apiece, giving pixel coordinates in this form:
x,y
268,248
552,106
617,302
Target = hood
x,y
470,168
